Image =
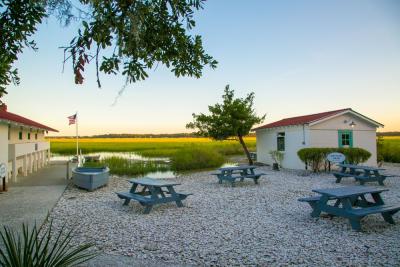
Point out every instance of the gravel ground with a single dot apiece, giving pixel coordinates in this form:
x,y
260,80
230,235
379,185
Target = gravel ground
x,y
260,225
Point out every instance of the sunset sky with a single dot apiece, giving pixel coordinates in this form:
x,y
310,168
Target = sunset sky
x,y
299,57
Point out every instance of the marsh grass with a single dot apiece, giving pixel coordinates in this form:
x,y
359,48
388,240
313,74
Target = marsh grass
x,y
196,158
148,147
123,166
390,149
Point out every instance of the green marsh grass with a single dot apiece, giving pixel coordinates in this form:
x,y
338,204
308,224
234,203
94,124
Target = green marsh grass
x,y
195,158
390,149
147,147
123,166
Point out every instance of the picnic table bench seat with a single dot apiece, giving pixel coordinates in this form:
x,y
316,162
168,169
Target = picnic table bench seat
x,y
312,201
391,209
128,195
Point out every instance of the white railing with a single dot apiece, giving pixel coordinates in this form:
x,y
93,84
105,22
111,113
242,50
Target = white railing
x,y
16,150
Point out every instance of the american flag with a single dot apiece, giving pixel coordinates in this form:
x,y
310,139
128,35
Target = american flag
x,y
72,119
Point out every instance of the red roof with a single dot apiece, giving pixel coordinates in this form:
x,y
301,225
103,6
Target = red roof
x,y
8,116
302,119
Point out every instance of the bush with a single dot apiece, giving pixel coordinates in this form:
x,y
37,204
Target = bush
x,y
315,157
355,155
29,248
196,158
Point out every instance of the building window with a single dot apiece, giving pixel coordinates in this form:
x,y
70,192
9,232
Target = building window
x,y
9,132
280,142
29,136
345,138
20,135
35,136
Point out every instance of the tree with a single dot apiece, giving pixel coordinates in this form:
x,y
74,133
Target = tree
x,y
233,118
18,22
130,36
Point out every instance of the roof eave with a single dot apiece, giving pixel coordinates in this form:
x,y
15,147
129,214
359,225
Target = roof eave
x,y
371,121
276,127
28,126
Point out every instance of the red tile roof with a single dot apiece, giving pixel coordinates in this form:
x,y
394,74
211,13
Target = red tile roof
x,y
302,119
8,116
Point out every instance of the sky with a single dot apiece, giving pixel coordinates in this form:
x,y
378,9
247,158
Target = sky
x,y
298,57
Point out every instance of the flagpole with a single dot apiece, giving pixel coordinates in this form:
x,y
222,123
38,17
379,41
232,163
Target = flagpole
x,y
77,138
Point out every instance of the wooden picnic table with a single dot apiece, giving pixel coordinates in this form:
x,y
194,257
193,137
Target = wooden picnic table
x,y
149,192
361,173
230,174
353,203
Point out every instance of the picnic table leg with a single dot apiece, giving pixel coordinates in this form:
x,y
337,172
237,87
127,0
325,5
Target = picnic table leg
x,y
220,178
388,217
354,221
133,189
337,203
148,209
377,198
380,177
319,205
355,224
175,196
243,173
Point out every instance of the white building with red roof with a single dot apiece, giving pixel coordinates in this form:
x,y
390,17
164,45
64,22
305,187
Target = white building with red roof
x,y
23,148
338,128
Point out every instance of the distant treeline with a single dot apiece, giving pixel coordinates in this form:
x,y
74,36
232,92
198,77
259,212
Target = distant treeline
x,y
388,133
174,135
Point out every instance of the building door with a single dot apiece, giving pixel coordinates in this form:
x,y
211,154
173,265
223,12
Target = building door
x,y
345,138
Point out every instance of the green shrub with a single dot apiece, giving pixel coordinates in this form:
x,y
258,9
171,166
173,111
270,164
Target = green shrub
x,y
315,157
29,248
355,155
195,158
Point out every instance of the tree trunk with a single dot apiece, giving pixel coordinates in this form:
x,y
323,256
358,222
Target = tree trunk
x,y
245,149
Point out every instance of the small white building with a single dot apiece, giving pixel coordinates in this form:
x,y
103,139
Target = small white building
x,y
23,148
338,128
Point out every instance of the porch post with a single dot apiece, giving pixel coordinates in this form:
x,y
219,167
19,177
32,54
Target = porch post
x,y
24,166
14,169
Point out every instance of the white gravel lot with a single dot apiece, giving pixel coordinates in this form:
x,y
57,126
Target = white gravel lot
x,y
249,224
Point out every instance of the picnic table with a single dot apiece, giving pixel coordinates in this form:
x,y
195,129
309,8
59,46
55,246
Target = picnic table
x,y
353,203
361,173
149,192
230,174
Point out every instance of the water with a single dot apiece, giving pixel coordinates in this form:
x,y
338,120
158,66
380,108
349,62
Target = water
x,y
125,155
133,156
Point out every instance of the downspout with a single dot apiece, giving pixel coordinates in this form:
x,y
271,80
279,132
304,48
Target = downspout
x,y
304,142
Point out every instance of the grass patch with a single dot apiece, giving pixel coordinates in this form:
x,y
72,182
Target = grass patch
x,y
122,166
195,158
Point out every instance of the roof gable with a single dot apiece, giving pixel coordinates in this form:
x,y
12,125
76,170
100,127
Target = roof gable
x,y
314,119
11,117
